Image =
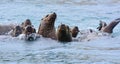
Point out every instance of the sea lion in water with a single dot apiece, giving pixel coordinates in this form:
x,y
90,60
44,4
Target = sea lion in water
x,y
16,31
63,33
30,33
5,29
20,29
26,22
75,31
108,28
102,25
29,29
46,28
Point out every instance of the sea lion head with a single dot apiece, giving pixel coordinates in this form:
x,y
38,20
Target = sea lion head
x,y
75,31
109,28
27,22
29,29
63,33
62,28
17,31
30,33
101,25
50,18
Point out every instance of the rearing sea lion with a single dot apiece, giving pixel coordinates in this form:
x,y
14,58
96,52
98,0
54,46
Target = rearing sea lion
x,y
46,28
108,28
63,33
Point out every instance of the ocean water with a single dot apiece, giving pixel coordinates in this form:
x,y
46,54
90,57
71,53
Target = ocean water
x,y
82,13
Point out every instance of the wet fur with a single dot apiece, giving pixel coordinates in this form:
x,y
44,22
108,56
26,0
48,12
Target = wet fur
x,y
29,30
75,31
16,31
63,33
46,27
108,28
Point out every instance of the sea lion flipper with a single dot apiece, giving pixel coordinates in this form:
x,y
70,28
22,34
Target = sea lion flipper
x,y
111,26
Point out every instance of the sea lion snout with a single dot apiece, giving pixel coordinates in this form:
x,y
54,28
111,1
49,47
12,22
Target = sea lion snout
x,y
30,33
52,17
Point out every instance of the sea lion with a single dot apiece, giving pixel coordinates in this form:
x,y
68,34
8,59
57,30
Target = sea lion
x,y
108,28
102,25
46,28
16,31
26,22
75,31
30,33
20,29
29,29
63,33
5,29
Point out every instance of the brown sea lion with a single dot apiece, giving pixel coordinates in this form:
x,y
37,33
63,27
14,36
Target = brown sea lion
x,y
20,29
102,25
26,22
16,31
75,31
63,33
46,28
4,29
108,28
29,30
30,33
